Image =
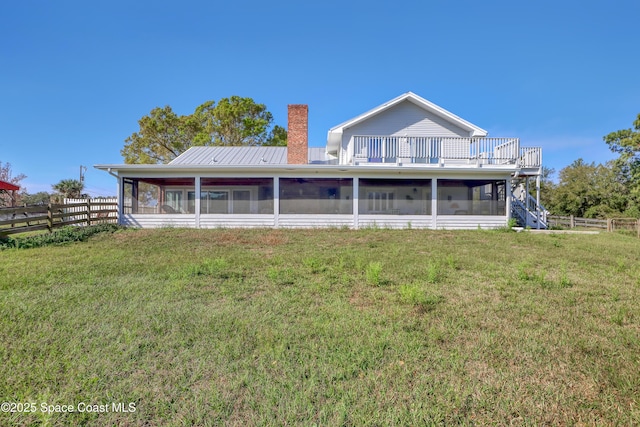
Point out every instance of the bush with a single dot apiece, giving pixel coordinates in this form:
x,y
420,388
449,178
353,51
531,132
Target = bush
x,y
60,236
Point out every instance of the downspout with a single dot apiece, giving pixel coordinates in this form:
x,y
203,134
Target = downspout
x,y
111,173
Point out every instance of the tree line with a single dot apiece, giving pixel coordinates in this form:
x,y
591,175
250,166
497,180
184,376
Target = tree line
x,y
591,190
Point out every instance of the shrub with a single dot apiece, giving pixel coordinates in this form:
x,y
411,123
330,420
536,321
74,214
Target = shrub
x,y
415,294
373,273
60,236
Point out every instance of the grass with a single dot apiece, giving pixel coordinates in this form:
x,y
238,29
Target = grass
x,y
331,327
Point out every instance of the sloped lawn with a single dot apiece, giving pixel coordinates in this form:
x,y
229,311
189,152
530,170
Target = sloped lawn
x,y
324,327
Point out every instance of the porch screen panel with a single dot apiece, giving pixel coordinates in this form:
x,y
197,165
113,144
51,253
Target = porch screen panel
x,y
157,195
471,197
236,196
316,196
394,196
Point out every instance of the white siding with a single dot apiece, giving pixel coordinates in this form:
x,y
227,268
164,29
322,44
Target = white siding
x,y
394,221
470,222
315,221
158,220
236,221
404,119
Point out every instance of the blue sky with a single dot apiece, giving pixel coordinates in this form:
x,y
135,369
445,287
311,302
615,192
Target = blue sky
x,y
76,76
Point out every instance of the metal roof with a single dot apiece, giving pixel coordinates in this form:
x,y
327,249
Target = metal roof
x,y
4,185
318,155
225,156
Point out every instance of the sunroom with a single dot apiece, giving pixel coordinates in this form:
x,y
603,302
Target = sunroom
x,y
304,201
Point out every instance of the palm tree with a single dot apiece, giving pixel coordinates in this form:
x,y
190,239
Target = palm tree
x,y
69,188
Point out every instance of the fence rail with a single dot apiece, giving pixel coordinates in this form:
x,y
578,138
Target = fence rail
x,y
610,224
54,215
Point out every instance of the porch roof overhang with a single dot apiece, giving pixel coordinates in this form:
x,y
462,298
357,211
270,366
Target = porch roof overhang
x,y
343,170
334,136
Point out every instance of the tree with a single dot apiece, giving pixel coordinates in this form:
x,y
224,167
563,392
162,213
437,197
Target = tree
x,y
69,188
547,186
589,190
234,121
572,193
238,121
39,198
277,137
626,143
6,175
163,136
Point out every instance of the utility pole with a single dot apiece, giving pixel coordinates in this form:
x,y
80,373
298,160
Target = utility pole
x,y
83,169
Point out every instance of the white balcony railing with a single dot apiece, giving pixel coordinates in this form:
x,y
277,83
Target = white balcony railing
x,y
422,149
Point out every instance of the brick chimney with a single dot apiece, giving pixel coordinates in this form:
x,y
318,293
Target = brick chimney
x,y
298,135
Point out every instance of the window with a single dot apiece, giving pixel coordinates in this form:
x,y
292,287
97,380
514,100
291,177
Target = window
x,y
471,197
173,201
316,195
236,196
394,196
157,195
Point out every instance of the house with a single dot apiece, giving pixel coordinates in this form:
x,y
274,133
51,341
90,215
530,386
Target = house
x,y
405,163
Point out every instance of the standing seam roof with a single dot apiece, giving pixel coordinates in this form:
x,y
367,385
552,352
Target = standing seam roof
x,y
232,156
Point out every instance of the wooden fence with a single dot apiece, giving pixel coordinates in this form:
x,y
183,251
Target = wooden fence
x,y
51,216
610,224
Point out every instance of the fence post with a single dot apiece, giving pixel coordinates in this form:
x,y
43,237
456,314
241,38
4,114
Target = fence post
x,y
638,227
609,224
50,218
88,212
572,222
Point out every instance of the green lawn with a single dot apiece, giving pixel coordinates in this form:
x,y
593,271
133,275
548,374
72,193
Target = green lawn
x,y
324,327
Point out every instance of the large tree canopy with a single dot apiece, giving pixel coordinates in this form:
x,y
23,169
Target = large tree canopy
x,y
626,143
605,190
69,188
234,121
163,136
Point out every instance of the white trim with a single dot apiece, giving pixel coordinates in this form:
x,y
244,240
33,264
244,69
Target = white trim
x,y
276,201
356,197
197,196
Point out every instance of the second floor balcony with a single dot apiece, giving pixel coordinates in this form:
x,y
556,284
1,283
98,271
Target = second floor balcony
x,y
443,151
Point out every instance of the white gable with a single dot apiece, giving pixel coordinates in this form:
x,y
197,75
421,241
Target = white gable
x,y
408,115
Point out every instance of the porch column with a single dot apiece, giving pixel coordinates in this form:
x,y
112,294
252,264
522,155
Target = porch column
x,y
538,201
276,201
356,190
509,185
434,203
197,202
119,199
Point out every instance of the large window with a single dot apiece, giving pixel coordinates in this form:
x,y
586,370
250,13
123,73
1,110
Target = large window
x,y
394,196
157,195
236,196
217,195
471,197
316,196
